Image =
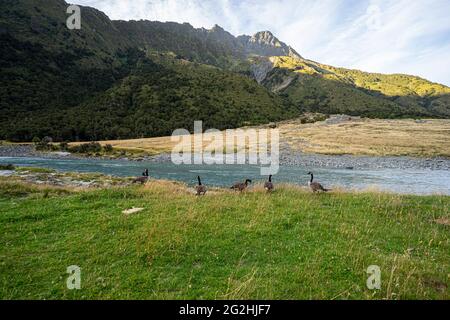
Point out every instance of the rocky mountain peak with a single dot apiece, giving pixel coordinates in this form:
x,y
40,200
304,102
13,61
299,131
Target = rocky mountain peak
x,y
264,43
217,28
266,38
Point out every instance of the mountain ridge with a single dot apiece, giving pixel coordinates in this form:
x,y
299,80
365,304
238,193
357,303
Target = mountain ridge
x,y
55,79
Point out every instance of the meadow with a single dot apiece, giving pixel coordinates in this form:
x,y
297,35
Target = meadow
x,y
373,137
291,244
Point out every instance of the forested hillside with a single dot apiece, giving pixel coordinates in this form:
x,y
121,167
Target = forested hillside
x,y
160,94
327,89
130,79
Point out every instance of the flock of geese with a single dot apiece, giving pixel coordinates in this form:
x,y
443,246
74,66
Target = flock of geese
x,y
240,186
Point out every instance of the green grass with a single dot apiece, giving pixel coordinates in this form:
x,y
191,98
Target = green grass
x,y
34,170
288,245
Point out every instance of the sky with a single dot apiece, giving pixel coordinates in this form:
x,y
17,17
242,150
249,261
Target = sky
x,y
386,36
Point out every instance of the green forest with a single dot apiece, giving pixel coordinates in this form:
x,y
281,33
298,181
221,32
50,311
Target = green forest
x,y
119,79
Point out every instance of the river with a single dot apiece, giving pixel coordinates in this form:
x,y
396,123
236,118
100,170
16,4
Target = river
x,y
406,181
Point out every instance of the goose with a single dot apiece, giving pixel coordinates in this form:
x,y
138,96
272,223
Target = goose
x,y
201,189
315,186
241,186
143,179
269,185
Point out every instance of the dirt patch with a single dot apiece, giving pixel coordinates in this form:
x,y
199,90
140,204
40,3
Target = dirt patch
x,y
437,285
443,221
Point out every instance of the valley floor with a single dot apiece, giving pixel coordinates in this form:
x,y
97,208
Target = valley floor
x,y
291,244
340,136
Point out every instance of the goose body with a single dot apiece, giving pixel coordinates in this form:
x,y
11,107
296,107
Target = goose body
x,y
201,189
241,186
141,180
316,186
269,185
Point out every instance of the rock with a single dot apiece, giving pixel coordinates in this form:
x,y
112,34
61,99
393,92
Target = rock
x,y
350,162
61,154
443,221
6,173
132,210
260,69
340,118
264,43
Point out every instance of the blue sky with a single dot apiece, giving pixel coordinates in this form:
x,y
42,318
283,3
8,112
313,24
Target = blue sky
x,y
387,36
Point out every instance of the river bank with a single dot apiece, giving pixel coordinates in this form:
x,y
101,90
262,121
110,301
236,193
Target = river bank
x,y
288,157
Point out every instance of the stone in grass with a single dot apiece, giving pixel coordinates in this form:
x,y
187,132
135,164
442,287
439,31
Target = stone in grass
x,y
444,221
132,210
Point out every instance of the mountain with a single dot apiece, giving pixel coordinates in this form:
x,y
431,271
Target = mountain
x,y
113,79
127,79
215,46
264,43
322,88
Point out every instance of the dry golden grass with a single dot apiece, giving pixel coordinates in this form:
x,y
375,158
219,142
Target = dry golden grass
x,y
374,137
165,144
443,221
13,186
167,187
370,137
148,145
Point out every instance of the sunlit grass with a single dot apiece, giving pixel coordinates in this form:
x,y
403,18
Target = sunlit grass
x,y
376,137
291,244
371,137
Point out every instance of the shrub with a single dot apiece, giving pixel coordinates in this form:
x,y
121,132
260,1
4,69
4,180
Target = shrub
x,y
36,140
64,146
47,140
7,167
91,147
108,148
44,144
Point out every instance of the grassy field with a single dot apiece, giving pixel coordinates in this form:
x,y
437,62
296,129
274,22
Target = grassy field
x,y
288,245
376,137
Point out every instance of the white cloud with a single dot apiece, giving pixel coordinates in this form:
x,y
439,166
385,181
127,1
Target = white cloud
x,y
389,36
